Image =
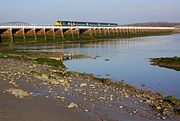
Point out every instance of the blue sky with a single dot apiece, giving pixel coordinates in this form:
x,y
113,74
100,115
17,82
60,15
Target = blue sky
x,y
120,11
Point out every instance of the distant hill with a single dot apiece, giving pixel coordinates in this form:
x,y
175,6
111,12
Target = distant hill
x,y
155,24
14,23
177,26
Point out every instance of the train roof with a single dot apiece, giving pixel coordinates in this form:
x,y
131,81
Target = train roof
x,y
87,22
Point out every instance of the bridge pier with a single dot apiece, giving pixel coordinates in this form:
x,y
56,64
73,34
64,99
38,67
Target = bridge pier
x,y
49,33
104,33
28,34
39,34
100,34
68,34
85,33
5,32
120,32
94,33
17,35
58,33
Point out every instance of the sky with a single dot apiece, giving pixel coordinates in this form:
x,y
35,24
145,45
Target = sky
x,y
118,11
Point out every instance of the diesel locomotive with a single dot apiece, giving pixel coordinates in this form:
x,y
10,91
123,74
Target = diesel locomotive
x,y
91,24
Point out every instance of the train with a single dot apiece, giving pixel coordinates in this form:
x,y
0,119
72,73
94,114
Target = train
x,y
91,24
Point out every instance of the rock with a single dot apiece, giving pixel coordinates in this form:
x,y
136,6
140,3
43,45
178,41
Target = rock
x,y
31,93
147,101
120,106
45,76
163,117
135,102
34,66
65,84
61,80
54,82
126,95
18,93
106,59
12,82
84,93
167,112
83,85
86,110
111,98
92,86
59,97
130,113
135,111
66,89
158,107
102,98
72,105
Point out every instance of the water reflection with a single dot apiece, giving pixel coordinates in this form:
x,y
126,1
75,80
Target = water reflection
x,y
127,60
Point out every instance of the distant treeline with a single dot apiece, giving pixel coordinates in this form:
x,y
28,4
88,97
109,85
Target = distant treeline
x,y
155,24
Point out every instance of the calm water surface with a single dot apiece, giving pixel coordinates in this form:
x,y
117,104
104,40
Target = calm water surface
x,y
127,60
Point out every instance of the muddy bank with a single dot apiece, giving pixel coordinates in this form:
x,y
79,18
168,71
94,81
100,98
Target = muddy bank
x,y
36,90
167,62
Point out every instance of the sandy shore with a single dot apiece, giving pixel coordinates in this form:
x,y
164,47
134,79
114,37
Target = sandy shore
x,y
30,91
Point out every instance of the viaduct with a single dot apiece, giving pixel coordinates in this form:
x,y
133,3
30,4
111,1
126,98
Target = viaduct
x,y
26,33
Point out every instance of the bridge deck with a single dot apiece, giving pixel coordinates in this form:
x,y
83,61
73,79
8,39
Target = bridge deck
x,y
82,27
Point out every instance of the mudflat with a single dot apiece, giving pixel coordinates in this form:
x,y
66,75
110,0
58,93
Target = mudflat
x,y
35,91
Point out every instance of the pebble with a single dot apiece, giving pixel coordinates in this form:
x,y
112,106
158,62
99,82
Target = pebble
x,y
86,110
135,111
72,105
59,97
111,98
163,117
120,106
83,85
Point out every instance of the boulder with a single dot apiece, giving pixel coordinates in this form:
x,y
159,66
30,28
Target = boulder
x,y
18,93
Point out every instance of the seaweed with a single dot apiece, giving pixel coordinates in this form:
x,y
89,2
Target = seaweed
x,y
50,62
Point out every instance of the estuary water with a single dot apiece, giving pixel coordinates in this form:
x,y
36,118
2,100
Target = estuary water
x,y
127,59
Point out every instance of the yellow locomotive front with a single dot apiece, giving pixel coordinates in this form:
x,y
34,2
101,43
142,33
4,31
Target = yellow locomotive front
x,y
58,23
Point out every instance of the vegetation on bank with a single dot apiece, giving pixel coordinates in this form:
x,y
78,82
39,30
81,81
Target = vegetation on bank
x,y
50,62
39,57
168,62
